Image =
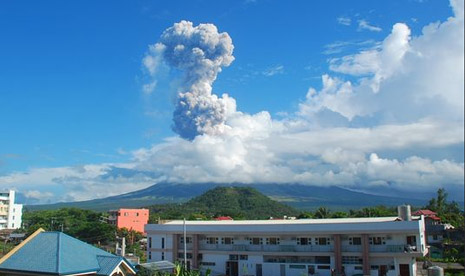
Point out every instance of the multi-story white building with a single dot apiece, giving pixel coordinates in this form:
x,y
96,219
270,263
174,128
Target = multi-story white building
x,y
384,246
10,213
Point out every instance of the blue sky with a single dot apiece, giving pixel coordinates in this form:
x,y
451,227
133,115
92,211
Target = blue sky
x,y
71,92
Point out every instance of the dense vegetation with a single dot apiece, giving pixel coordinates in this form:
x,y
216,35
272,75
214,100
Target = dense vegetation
x,y
449,212
236,202
85,225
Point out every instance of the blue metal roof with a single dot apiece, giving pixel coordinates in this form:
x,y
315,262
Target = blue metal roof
x,y
58,253
108,264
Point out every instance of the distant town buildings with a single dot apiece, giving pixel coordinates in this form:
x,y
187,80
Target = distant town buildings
x,y
10,213
132,219
384,246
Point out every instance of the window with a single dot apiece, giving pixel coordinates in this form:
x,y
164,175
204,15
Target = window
x,y
255,241
188,239
233,257
272,241
212,240
311,269
126,214
243,257
323,267
227,240
358,268
304,241
352,260
355,241
207,263
150,242
181,255
322,241
375,267
162,242
137,214
162,256
377,240
435,237
297,266
322,259
150,255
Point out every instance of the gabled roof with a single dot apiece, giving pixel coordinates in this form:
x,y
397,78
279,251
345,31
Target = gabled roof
x,y
425,212
59,254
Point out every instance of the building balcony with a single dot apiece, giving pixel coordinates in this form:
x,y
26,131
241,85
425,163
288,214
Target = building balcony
x,y
266,248
397,248
351,248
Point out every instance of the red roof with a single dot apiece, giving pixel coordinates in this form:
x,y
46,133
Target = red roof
x,y
428,214
224,218
424,213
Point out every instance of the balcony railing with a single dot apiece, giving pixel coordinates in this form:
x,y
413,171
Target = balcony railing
x,y
351,248
397,248
267,248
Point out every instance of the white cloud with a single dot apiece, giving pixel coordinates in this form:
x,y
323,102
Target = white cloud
x,y
275,70
148,88
365,25
373,125
346,21
38,195
404,79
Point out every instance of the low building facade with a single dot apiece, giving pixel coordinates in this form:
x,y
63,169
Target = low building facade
x,y
131,219
10,212
323,247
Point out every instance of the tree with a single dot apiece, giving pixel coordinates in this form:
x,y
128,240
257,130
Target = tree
x,y
322,212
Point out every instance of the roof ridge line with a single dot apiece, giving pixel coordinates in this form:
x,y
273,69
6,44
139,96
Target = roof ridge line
x,y
13,251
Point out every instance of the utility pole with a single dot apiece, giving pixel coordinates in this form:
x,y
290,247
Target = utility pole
x,y
185,245
123,247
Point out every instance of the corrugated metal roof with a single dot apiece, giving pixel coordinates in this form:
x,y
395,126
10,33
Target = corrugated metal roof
x,y
108,264
60,254
159,266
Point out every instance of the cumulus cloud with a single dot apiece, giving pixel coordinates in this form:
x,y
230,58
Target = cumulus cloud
x,y
77,183
365,25
405,78
374,122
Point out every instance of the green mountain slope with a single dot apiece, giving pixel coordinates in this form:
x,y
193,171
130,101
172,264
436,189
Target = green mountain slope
x,y
302,197
237,202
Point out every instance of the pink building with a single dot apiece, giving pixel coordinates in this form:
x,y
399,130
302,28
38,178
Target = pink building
x,y
132,219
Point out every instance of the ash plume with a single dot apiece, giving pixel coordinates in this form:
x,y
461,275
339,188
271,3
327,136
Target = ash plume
x,y
200,52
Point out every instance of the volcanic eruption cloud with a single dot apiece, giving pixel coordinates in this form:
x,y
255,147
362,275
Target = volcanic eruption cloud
x,y
199,52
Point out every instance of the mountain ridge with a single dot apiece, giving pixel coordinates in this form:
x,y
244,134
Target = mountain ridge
x,y
299,196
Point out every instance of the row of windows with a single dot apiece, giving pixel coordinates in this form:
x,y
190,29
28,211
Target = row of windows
x,y
238,257
352,260
297,259
258,241
378,240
